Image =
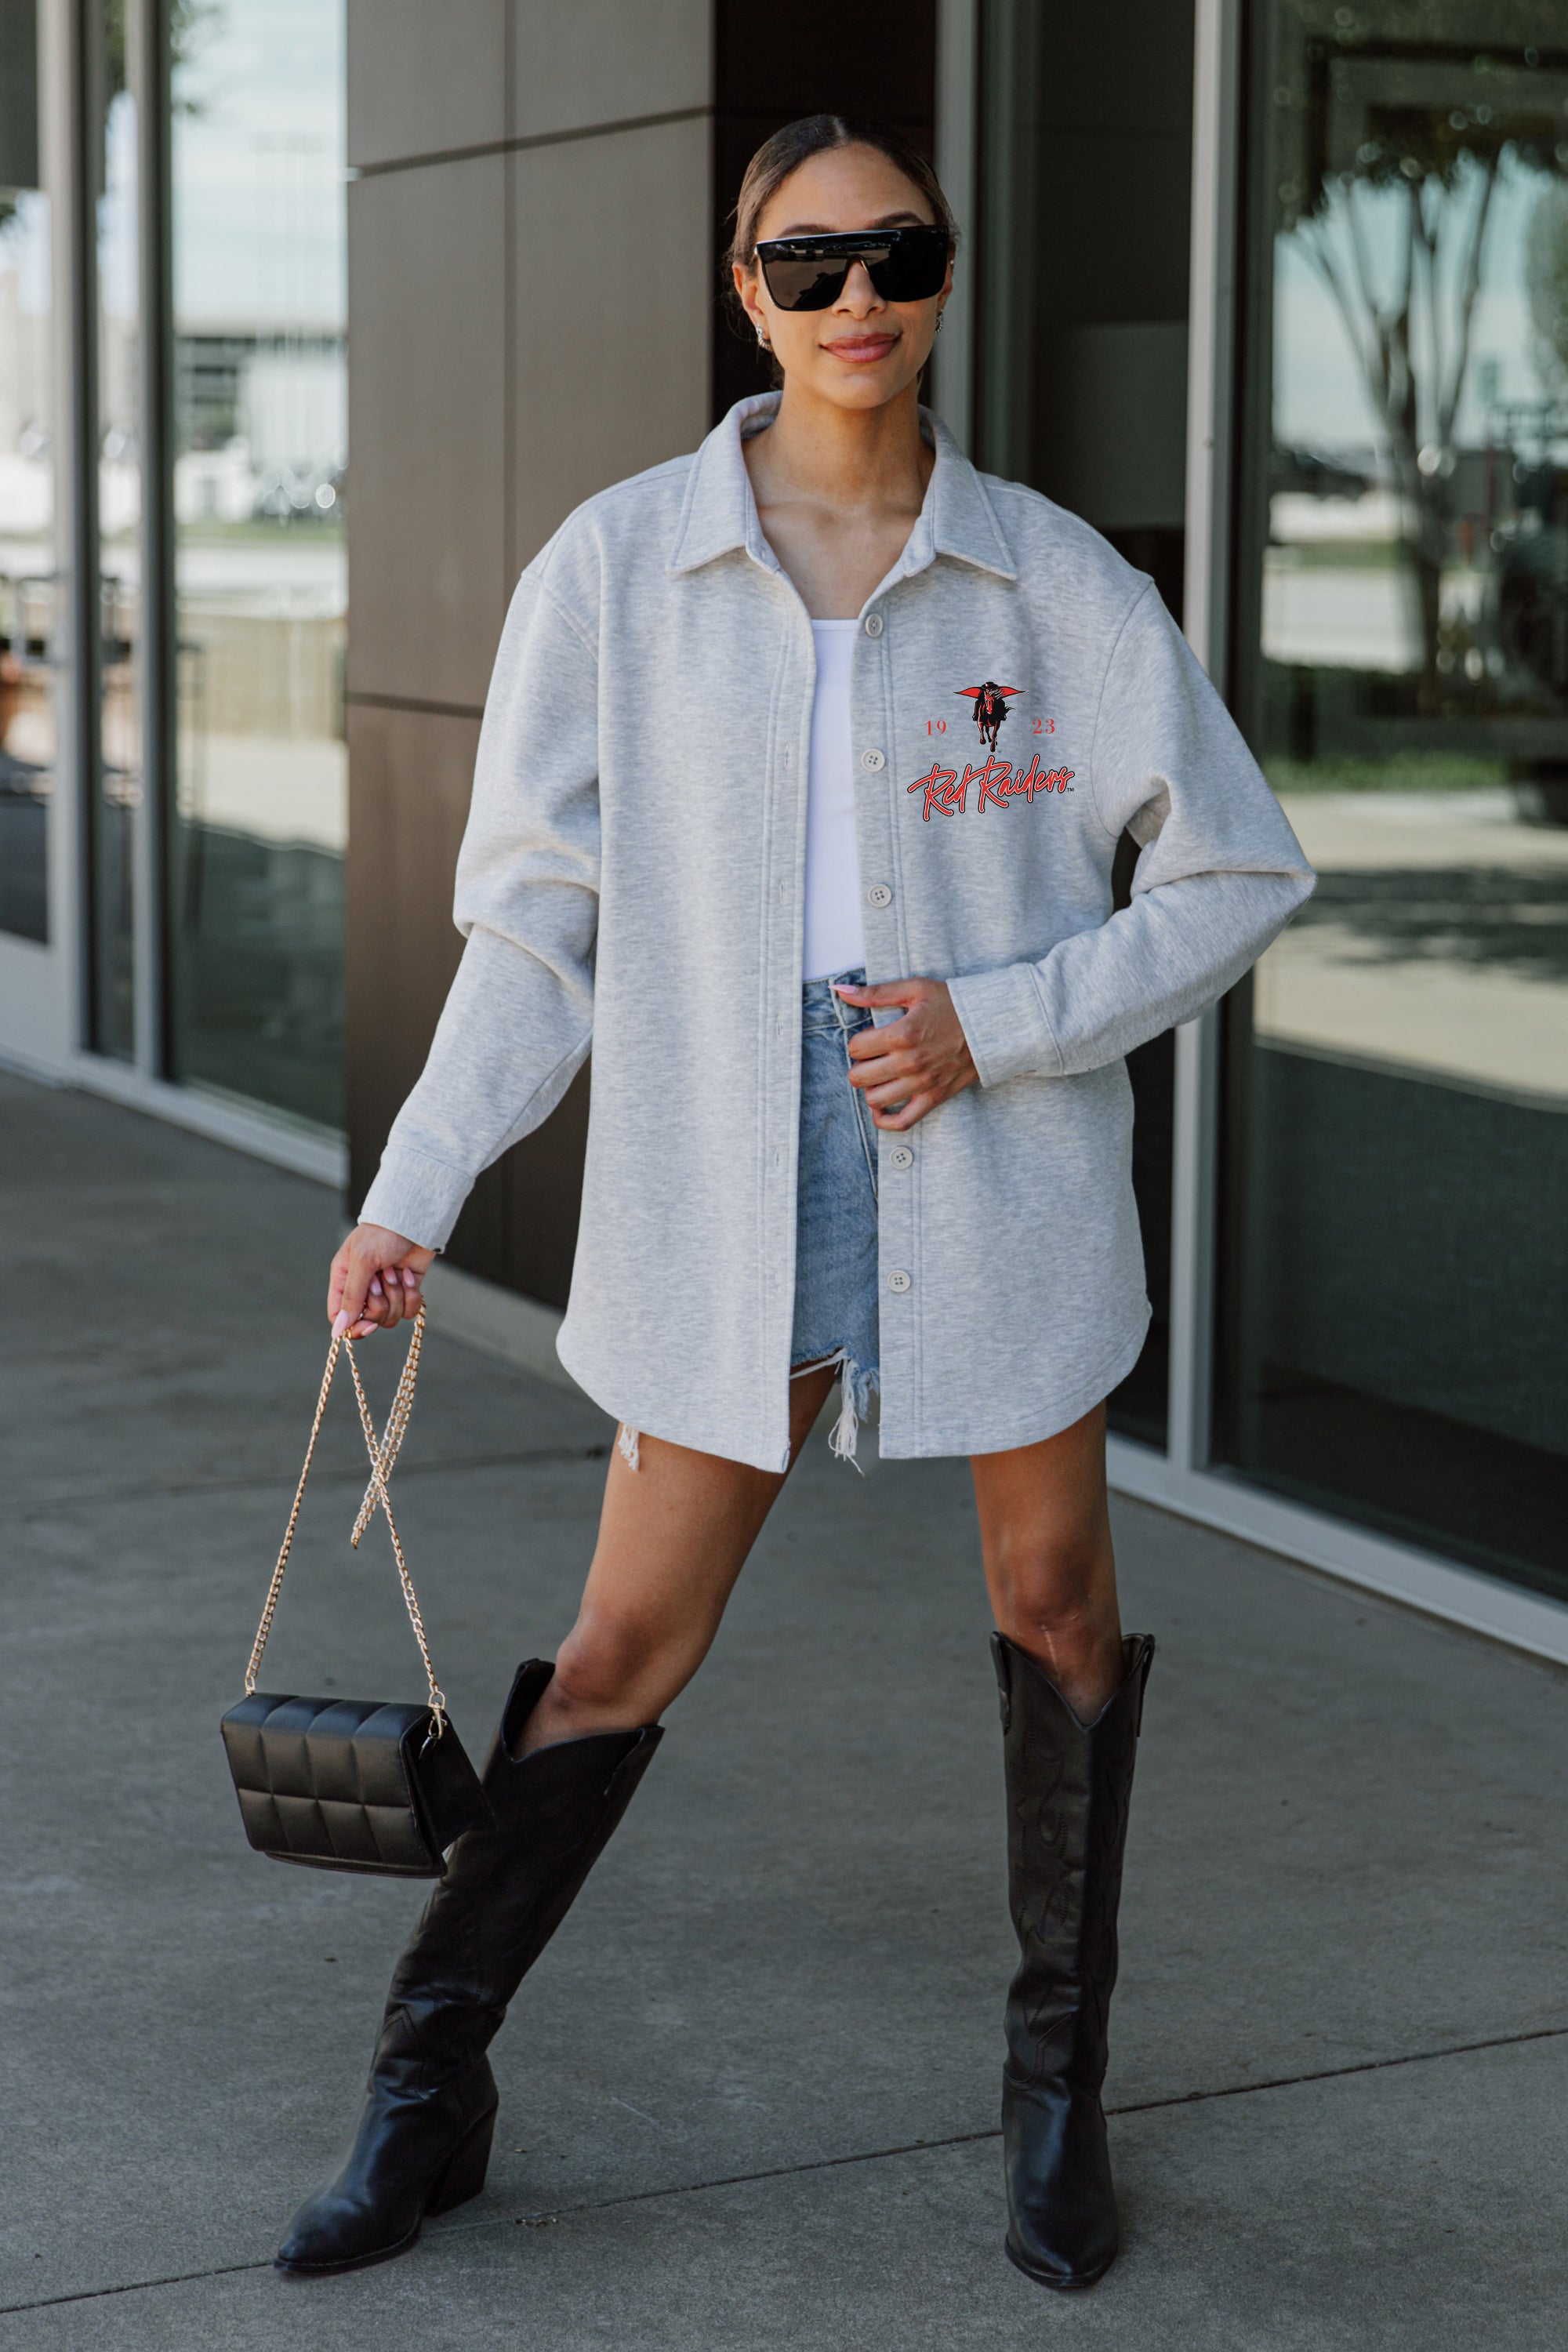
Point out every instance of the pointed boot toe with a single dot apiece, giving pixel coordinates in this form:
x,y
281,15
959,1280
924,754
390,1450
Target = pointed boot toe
x,y
1062,2227
410,2158
331,2232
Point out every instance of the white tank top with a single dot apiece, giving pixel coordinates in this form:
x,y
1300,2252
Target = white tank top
x,y
835,934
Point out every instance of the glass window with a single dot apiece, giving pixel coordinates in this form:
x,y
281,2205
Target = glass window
x,y
26,490
112,159
1396,1219
260,579
1081,264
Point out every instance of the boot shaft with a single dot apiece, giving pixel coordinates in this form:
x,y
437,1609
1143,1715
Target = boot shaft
x,y
507,1889
1069,1785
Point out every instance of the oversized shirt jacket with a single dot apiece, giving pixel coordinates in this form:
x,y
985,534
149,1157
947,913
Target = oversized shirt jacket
x,y
632,876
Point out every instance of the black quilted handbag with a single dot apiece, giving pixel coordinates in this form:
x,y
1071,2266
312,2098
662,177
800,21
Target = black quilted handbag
x,y
353,1784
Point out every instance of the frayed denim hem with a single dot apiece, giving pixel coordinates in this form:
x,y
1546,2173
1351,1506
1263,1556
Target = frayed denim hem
x,y
858,1384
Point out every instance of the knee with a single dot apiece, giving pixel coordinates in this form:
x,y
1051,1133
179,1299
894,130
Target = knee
x,y
1053,1590
612,1661
605,1663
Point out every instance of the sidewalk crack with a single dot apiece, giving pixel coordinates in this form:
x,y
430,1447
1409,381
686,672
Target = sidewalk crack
x,y
823,2164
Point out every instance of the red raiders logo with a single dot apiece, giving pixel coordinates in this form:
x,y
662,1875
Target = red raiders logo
x,y
990,702
947,793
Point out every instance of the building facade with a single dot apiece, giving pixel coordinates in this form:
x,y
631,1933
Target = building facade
x,y
1274,292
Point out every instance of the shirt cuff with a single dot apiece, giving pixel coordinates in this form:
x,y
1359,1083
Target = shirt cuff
x,y
417,1197
1005,1024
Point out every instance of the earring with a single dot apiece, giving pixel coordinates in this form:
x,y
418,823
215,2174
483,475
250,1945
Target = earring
x,y
762,340
939,316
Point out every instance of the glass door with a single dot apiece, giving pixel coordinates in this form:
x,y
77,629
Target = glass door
x,y
115,756
29,620
1395,1213
260,590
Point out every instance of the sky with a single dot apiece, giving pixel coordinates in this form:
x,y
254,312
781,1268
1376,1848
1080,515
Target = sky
x,y
25,249
258,167
259,178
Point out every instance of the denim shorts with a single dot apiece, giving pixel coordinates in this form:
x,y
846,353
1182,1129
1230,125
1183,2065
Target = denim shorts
x,y
835,1294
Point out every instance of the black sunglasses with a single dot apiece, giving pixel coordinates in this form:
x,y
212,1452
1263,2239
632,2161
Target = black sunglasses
x,y
808,273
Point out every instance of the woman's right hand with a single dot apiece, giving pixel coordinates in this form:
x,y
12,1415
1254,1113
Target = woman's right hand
x,y
375,1281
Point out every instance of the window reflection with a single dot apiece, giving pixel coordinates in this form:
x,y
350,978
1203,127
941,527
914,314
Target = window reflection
x,y
261,432
119,751
27,743
1398,1129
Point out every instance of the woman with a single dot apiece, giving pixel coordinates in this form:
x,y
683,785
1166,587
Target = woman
x,y
724,771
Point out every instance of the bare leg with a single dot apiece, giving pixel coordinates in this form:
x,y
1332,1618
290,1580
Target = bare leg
x,y
1045,1535
674,1535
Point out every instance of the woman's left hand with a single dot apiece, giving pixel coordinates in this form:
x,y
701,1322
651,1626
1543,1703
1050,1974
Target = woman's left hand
x,y
908,1067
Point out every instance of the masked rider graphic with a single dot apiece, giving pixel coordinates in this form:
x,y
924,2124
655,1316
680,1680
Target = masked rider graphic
x,y
990,702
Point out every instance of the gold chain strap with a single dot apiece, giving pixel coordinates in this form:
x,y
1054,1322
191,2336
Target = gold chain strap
x,y
411,1598
382,1457
396,1425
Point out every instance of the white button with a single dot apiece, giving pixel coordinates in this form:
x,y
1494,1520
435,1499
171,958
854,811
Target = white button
x,y
784,890
903,1157
878,895
873,624
875,761
899,1279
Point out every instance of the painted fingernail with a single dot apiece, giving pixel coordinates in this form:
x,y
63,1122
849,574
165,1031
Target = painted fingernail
x,y
340,1325
375,1285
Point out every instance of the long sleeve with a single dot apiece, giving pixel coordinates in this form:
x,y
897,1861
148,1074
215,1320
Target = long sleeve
x,y
1220,874
518,1020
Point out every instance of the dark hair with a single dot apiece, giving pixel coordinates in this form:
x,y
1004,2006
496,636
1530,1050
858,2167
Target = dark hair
x,y
796,144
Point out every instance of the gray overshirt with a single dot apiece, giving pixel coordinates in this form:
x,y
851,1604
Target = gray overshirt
x,y
632,876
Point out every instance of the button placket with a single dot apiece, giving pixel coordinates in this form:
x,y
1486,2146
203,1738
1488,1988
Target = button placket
x,y
898,1251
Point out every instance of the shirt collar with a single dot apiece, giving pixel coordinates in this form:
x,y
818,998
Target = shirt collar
x,y
720,513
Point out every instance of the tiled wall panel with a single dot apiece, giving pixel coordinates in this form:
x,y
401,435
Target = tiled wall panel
x,y
424,78
613,300
602,61
427,406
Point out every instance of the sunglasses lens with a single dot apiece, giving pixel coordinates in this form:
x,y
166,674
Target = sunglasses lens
x,y
805,285
914,266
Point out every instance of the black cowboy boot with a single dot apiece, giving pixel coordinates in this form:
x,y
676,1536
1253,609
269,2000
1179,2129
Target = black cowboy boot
x,y
422,2139
1069,1788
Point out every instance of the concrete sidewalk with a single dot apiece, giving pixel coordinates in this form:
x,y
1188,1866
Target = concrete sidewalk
x,y
750,2093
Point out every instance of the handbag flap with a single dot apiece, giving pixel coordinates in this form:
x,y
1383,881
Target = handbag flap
x,y
342,1782
446,1790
